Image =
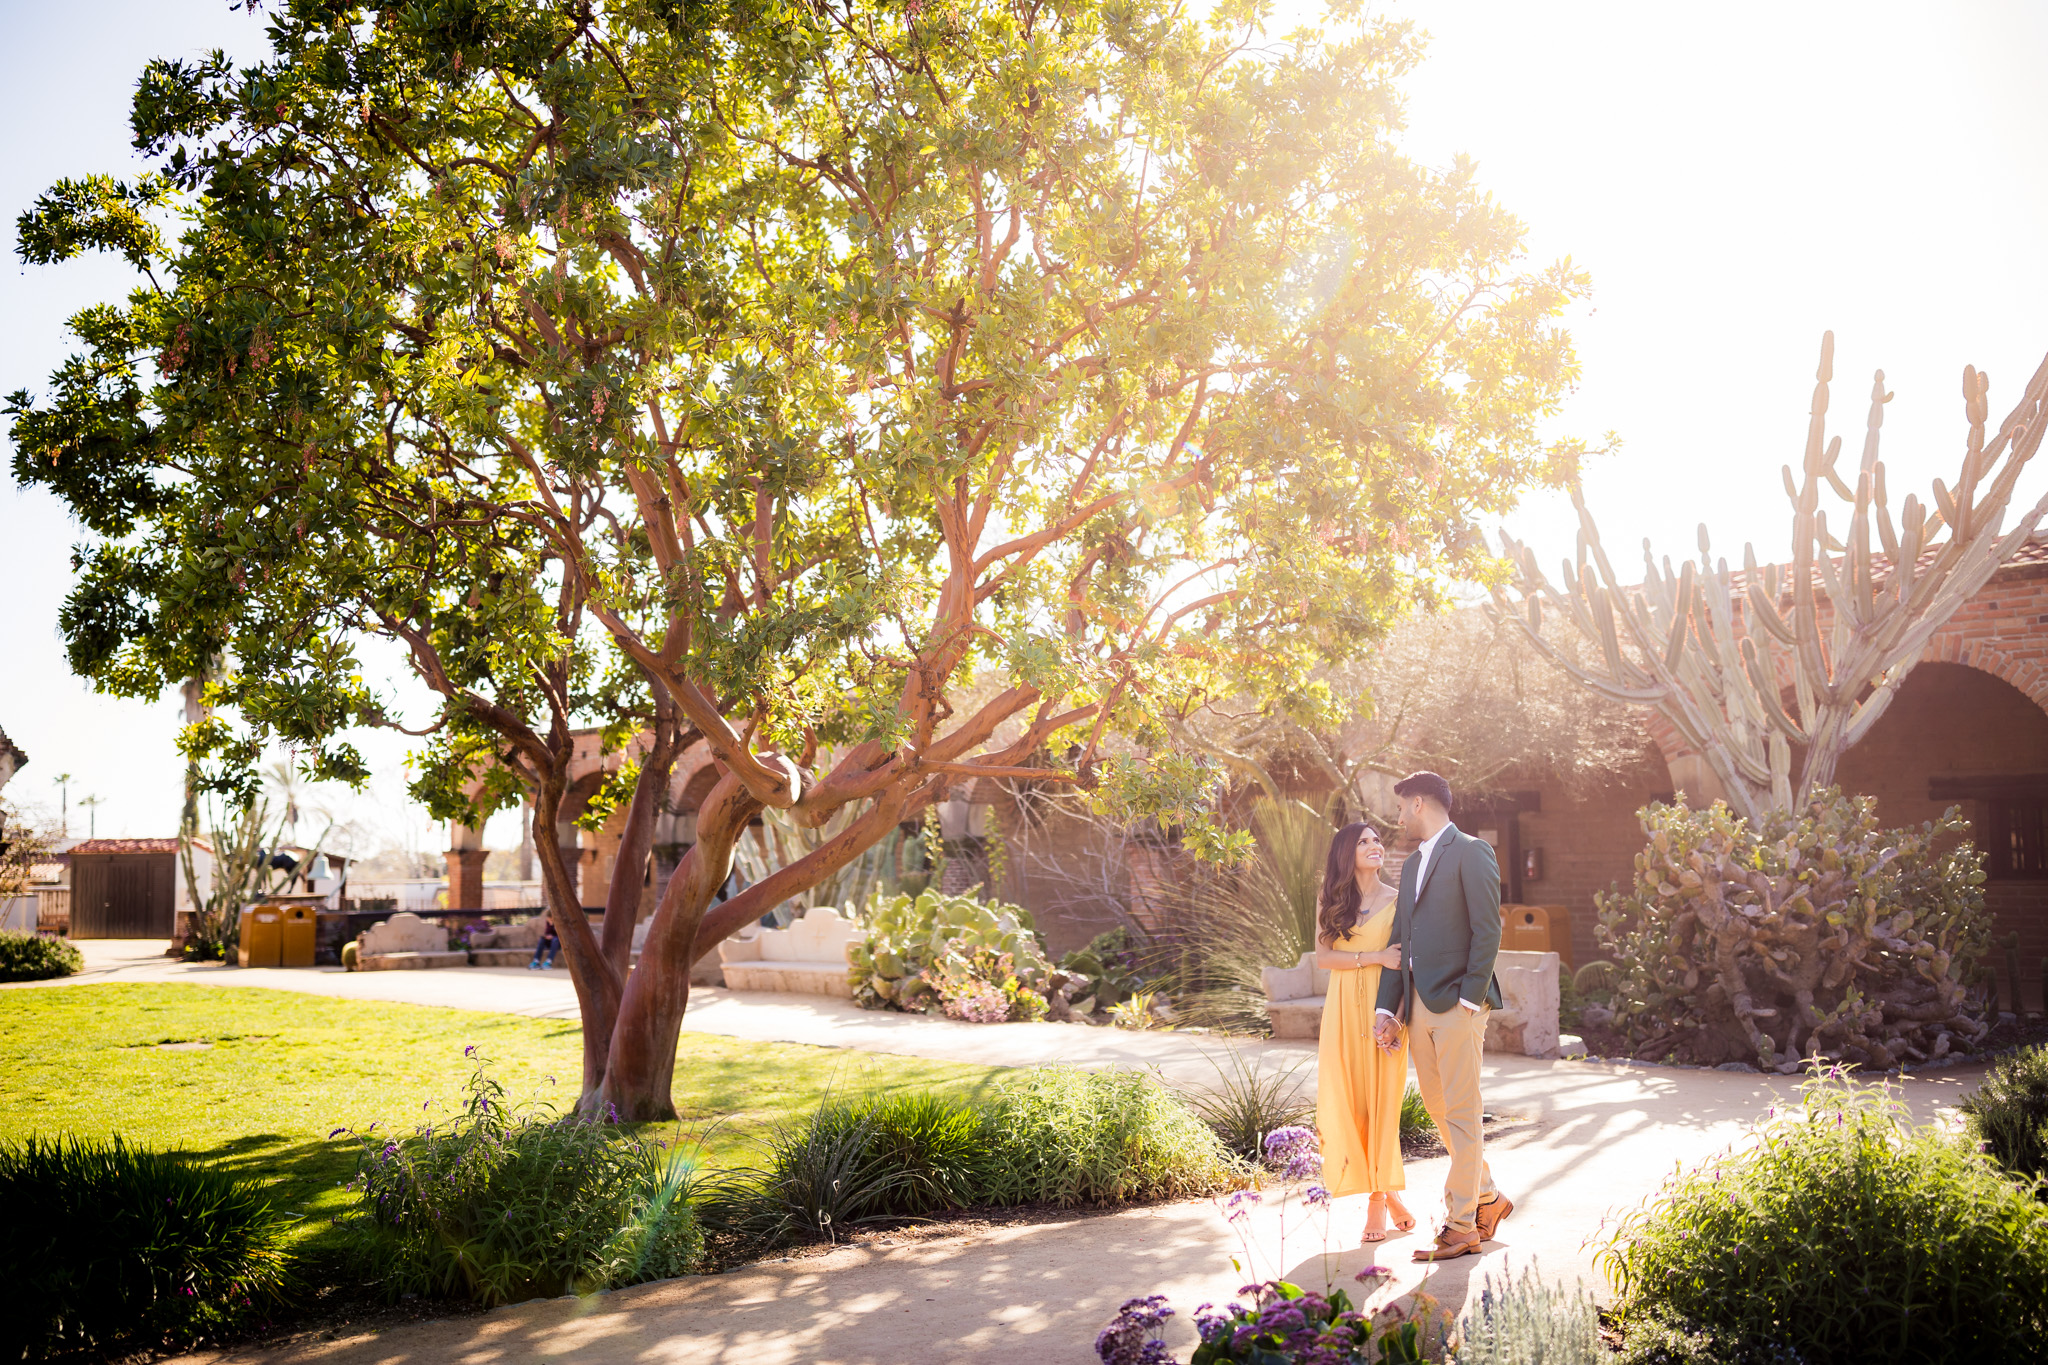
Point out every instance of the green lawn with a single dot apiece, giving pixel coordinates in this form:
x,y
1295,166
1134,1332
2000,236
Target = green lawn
x,y
285,1069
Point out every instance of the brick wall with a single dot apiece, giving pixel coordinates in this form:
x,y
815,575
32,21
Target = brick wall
x,y
1951,719
1588,842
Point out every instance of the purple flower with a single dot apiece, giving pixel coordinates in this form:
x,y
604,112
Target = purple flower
x,y
469,1051
1302,1166
1316,1196
1282,1317
1132,1337
1283,1144
1373,1272
336,1133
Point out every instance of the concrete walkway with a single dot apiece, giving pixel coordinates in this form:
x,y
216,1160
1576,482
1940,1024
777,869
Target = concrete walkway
x,y
1594,1140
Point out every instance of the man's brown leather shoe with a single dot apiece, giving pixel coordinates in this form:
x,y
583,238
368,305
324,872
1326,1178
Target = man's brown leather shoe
x,y
1490,1214
1450,1244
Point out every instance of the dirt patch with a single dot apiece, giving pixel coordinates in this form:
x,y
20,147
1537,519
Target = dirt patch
x,y
1421,1146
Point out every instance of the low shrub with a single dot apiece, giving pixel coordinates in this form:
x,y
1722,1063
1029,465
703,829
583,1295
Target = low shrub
x,y
31,957
1048,1135
1061,1136
1812,932
822,1177
498,1206
107,1250
1654,1341
983,988
2008,1113
851,1164
1842,1232
1524,1321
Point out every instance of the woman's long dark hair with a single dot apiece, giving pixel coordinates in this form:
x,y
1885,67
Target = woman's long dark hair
x,y
1338,908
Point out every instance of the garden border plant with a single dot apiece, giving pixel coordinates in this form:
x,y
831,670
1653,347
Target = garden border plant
x,y
33,957
1840,1230
1055,1136
108,1249
2008,1113
499,1204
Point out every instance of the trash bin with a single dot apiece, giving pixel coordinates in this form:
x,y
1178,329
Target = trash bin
x,y
1537,929
298,933
261,939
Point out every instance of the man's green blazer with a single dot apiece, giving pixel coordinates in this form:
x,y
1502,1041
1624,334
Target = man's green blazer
x,y
1448,929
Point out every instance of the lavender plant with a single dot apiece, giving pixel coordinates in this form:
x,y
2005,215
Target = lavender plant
x,y
1526,1321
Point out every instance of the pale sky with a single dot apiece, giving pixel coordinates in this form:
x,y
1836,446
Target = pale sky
x,y
1737,179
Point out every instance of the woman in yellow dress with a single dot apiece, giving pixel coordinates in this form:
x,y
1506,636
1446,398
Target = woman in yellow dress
x,y
1359,1085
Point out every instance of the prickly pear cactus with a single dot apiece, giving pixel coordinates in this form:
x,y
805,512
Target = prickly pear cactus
x,y
1814,933
909,935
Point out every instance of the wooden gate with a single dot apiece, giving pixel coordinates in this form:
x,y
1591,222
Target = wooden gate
x,y
123,895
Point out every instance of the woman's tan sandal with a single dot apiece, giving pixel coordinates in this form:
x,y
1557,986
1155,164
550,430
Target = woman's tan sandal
x,y
1449,1245
1406,1222
1372,1234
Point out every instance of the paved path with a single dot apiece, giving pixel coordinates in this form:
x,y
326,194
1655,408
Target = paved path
x,y
1597,1139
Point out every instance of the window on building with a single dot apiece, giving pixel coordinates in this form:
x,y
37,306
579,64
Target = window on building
x,y
2018,847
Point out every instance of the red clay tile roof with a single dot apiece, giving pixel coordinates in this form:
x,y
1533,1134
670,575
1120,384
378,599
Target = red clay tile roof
x,y
2032,554
124,846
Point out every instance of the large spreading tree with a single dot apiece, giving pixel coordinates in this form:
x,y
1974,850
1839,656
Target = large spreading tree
x,y
790,366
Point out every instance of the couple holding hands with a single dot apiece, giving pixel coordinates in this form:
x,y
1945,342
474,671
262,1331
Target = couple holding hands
x,y
1411,977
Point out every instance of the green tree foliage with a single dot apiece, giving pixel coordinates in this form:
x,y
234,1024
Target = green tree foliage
x,y
814,358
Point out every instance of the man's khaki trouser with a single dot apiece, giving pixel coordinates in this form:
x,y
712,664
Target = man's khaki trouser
x,y
1446,1048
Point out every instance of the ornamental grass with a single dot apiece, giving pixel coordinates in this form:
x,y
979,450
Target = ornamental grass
x,y
108,1250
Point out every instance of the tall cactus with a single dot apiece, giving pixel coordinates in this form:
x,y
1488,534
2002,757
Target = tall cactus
x,y
1715,653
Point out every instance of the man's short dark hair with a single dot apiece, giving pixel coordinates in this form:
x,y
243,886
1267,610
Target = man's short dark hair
x,y
1425,784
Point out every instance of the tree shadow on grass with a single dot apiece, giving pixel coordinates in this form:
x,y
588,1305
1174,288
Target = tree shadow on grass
x,y
302,1177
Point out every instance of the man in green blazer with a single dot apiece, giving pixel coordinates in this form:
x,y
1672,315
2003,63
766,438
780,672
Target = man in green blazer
x,y
1447,925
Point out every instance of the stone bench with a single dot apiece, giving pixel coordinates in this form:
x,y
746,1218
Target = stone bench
x,y
807,958
1526,1025
705,971
508,945
1294,997
405,942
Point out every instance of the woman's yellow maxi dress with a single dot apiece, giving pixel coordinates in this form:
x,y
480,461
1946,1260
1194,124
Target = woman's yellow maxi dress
x,y
1358,1087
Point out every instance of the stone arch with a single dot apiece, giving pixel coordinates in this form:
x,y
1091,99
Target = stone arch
x,y
1956,645
696,774
1951,718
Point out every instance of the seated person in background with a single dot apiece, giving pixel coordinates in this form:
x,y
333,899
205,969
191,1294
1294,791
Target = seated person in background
x,y
544,951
